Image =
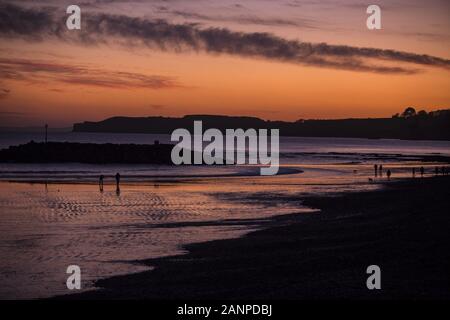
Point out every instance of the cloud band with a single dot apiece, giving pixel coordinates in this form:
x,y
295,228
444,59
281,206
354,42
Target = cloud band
x,y
39,24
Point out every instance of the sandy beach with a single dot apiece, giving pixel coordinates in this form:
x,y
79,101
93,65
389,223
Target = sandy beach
x,y
56,215
403,228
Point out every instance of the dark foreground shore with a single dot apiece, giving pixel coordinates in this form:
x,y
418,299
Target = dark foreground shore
x,y
404,229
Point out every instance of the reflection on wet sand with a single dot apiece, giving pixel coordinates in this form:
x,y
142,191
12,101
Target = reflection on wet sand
x,y
44,227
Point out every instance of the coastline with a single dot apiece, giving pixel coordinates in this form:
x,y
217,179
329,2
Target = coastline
x,y
403,228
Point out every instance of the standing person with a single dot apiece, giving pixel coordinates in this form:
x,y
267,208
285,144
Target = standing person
x,y
422,171
100,182
118,182
388,173
414,172
376,170
380,169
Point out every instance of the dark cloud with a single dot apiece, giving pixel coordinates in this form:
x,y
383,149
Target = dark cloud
x,y
39,71
105,28
35,23
121,80
181,37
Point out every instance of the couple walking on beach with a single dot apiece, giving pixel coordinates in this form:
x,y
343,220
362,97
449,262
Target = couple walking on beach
x,y
102,177
444,171
379,170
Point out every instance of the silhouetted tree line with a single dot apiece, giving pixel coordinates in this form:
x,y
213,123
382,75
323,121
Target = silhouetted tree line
x,y
411,112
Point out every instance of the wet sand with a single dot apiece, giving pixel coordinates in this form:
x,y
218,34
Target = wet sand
x,y
45,228
403,228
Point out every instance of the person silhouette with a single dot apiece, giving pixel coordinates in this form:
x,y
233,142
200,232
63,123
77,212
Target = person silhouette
x,y
100,182
414,172
422,171
118,182
380,169
375,167
388,173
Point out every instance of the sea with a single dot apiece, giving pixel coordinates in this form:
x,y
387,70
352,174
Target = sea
x,y
54,215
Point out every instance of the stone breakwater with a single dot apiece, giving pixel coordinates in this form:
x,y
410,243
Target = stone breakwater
x,y
53,152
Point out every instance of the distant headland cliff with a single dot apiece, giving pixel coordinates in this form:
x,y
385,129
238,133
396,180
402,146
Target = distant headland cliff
x,y
410,124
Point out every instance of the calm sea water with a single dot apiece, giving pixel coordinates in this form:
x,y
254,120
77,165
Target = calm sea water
x,y
288,144
293,151
45,227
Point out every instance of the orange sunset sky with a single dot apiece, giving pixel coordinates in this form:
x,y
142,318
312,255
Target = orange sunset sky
x,y
255,58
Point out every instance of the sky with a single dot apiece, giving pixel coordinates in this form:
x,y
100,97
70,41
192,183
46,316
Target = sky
x,y
277,60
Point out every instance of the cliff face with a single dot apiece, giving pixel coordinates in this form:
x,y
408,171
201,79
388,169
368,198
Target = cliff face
x,y
433,126
166,125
